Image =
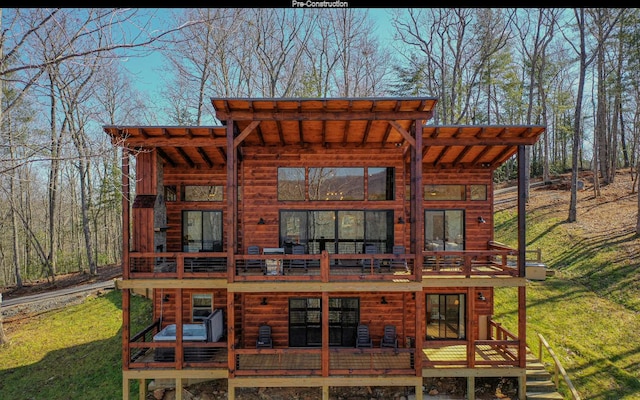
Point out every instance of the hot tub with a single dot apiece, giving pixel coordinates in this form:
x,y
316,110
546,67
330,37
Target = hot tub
x,y
210,330
190,333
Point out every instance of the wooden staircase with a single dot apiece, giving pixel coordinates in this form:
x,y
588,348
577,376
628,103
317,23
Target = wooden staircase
x,y
540,385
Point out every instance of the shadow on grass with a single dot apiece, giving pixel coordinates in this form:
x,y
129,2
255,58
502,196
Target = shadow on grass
x,y
92,370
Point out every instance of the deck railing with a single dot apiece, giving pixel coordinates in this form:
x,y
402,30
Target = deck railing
x,y
144,352
501,349
498,260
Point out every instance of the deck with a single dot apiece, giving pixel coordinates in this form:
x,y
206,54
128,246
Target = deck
x,y
494,262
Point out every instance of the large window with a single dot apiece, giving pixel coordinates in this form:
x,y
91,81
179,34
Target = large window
x,y
445,316
444,230
305,321
338,231
202,231
336,183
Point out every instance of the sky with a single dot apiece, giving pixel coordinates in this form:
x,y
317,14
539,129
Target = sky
x,y
149,79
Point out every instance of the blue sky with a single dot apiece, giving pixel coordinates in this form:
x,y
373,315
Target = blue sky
x,y
149,79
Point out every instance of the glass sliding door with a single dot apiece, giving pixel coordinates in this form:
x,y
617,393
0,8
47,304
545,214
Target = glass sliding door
x,y
305,322
350,232
337,231
322,232
344,314
379,230
202,231
444,230
293,228
445,316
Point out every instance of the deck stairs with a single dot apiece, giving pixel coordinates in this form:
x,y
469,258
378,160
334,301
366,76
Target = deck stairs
x,y
540,385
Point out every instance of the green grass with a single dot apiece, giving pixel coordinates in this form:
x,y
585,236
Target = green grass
x,y
71,353
588,312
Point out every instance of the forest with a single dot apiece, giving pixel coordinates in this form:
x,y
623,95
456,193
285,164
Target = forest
x,y
65,73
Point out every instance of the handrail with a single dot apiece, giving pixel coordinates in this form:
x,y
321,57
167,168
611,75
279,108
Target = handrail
x,y
559,369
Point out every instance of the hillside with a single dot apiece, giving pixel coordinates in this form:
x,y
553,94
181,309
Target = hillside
x,y
604,224
588,311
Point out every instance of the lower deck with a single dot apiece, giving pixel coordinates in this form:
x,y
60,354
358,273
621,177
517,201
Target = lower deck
x,y
346,367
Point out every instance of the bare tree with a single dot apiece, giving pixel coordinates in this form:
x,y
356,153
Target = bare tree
x,y
35,43
456,54
585,60
534,44
198,59
279,38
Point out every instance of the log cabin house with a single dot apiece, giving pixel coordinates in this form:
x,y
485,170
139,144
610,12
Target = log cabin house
x,y
319,243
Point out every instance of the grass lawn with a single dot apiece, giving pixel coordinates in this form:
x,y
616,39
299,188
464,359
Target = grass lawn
x,y
70,353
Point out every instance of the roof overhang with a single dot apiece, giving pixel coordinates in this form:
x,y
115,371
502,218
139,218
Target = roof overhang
x,y
375,123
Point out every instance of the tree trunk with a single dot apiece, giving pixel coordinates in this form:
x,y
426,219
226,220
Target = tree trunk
x,y
3,338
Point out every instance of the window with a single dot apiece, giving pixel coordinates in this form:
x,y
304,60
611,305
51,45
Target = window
x,y
381,184
444,192
201,306
170,193
445,316
478,192
291,184
202,193
338,231
336,184
444,230
202,231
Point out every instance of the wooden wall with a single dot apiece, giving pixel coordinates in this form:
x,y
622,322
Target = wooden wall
x,y
167,310
258,193
477,235
260,185
398,311
181,177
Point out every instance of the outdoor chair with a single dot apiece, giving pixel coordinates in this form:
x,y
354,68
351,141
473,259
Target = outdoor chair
x,y
264,337
298,249
366,263
363,339
398,262
254,250
390,339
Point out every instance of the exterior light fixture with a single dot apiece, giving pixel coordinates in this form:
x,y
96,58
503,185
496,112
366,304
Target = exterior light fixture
x,y
261,222
481,220
383,300
264,301
481,297
400,220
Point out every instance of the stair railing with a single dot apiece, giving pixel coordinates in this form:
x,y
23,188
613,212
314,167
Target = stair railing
x,y
558,368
